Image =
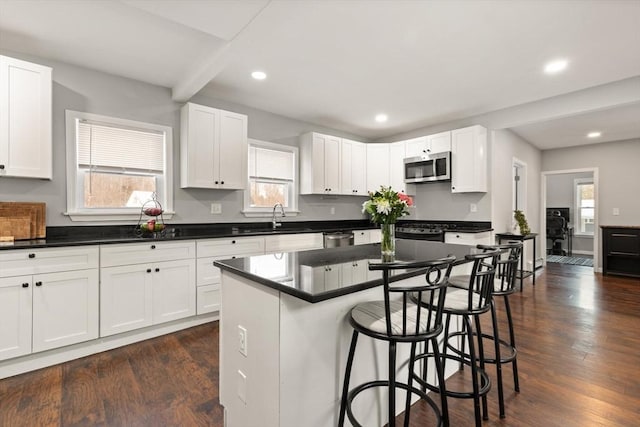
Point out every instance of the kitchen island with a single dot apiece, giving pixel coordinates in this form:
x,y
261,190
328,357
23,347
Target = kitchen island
x,y
284,333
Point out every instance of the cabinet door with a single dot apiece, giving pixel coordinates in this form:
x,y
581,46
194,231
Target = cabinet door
x,y
377,166
65,308
228,247
346,161
174,290
125,298
416,146
293,242
469,160
359,169
439,142
25,119
142,253
199,148
332,164
231,155
361,237
50,260
15,316
396,166
208,299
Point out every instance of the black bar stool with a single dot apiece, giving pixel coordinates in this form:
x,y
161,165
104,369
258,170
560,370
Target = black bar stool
x,y
504,285
397,319
469,303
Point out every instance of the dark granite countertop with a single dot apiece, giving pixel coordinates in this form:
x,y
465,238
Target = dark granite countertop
x,y
109,234
632,227
308,274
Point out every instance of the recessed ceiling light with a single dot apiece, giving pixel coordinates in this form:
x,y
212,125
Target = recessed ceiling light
x,y
594,134
555,67
381,118
259,75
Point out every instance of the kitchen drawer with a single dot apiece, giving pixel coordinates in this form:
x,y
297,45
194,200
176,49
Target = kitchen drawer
x,y
458,238
226,248
293,242
208,299
50,260
139,253
206,273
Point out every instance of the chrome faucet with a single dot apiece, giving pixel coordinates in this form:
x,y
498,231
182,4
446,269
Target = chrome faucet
x,y
275,224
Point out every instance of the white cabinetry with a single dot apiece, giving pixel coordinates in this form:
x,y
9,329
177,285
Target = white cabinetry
x,y
293,242
25,119
319,164
145,284
354,168
482,238
213,148
396,167
48,299
429,144
377,166
469,160
208,276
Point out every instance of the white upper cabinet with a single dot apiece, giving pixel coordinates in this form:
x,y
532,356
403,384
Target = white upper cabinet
x,y
25,119
377,166
213,148
396,166
319,164
425,145
469,160
354,168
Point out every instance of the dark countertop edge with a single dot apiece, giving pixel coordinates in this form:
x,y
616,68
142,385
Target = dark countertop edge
x,y
470,231
632,227
322,296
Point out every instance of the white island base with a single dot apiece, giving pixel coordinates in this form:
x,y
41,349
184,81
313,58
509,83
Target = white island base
x,y
290,371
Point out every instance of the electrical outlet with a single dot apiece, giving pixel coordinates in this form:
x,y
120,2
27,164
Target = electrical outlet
x,y
473,207
216,208
616,211
242,340
333,210
242,386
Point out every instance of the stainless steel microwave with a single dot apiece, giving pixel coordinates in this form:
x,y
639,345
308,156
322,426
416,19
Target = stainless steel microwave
x,y
432,167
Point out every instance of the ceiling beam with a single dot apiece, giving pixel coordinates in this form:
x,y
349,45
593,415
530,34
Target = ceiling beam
x,y
202,74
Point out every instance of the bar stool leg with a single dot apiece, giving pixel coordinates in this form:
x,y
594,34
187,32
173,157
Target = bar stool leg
x,y
474,370
496,341
392,384
347,374
512,342
407,406
441,383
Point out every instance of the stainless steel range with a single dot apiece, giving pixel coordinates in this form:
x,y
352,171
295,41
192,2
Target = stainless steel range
x,y
423,231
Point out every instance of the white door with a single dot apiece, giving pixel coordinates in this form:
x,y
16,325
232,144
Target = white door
x,y
346,161
15,316
231,157
332,164
199,149
416,147
440,142
359,169
25,119
174,290
65,308
377,166
396,166
125,298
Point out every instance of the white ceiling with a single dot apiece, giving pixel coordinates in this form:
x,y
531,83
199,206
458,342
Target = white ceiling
x,y
339,63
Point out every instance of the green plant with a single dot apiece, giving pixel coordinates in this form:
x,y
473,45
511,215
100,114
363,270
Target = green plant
x,y
522,222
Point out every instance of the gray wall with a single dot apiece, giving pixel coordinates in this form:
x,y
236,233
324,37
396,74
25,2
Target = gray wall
x,y
82,89
618,166
560,195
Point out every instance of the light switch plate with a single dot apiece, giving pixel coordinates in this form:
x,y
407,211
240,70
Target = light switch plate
x,y
216,208
473,207
242,340
616,211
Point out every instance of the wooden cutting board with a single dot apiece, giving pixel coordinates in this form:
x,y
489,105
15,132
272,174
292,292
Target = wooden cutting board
x,y
36,212
18,227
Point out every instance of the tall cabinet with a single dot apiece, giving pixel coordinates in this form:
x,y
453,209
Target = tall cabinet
x,y
213,148
469,160
25,119
319,164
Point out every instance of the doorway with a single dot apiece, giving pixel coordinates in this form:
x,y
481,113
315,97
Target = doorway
x,y
569,217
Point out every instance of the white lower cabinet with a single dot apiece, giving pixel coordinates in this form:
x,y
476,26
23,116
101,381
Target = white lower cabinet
x,y
482,238
47,305
293,242
208,276
144,284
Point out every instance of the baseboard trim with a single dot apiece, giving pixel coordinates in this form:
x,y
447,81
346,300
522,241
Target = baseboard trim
x,y
31,362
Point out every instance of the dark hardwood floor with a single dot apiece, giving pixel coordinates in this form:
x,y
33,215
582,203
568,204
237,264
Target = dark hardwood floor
x,y
579,360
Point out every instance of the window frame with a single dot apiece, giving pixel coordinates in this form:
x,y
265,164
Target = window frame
x,y
576,206
164,186
292,210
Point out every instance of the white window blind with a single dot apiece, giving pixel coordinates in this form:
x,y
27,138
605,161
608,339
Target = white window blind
x,y
272,164
108,147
